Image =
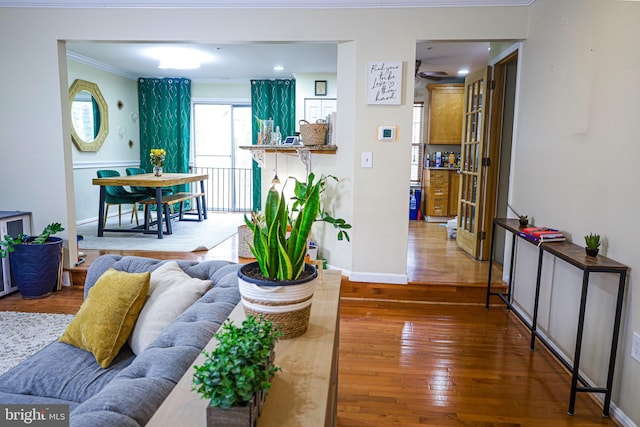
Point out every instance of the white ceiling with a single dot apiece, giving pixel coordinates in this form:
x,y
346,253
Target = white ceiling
x,y
236,63
232,62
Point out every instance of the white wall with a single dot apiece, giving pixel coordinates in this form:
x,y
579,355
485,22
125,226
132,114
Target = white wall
x,y
115,153
575,168
576,113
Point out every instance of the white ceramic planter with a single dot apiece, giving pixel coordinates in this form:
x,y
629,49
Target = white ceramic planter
x,y
287,304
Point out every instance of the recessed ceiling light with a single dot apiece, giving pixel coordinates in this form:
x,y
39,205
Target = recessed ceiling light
x,y
463,71
179,58
278,68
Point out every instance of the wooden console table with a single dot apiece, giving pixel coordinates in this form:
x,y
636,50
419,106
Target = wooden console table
x,y
303,394
576,256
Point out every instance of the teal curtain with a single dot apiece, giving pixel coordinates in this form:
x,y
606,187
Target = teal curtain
x,y
96,117
165,122
271,99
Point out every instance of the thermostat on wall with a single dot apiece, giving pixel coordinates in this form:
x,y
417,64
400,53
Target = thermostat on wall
x,y
386,133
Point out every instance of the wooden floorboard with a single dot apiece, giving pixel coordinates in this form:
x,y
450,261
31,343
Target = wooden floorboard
x,y
426,353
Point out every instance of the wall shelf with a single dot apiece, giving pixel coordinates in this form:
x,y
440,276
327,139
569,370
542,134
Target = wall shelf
x,y
303,152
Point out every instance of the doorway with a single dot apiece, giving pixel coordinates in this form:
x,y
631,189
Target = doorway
x,y
498,149
219,129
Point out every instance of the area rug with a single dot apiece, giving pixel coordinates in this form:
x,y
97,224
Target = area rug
x,y
24,334
188,236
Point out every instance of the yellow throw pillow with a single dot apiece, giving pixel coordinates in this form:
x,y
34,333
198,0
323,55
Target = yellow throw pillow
x,y
107,316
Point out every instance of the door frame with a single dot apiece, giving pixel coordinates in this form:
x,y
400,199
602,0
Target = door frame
x,y
493,145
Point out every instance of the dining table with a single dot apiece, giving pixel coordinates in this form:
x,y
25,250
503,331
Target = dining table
x,y
152,181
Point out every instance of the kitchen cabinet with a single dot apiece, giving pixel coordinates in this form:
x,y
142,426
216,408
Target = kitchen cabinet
x,y
441,191
437,190
446,104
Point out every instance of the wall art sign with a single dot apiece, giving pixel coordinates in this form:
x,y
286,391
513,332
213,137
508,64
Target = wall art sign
x,y
385,82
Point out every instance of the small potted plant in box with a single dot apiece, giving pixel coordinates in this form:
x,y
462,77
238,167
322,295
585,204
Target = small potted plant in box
x,y
593,244
236,376
34,261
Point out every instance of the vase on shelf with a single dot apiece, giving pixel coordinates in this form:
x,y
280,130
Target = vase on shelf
x,y
157,170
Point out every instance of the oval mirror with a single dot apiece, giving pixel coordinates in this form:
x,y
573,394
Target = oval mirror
x,y
89,115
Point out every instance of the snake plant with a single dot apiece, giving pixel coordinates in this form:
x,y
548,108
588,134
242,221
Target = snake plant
x,y
281,235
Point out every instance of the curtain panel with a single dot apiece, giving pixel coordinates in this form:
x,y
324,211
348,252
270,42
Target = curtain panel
x,y
275,100
165,122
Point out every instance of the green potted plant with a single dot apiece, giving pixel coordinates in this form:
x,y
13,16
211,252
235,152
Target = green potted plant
x,y
524,220
593,244
34,261
280,284
236,376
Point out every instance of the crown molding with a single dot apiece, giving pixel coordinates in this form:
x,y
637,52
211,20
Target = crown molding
x,y
100,65
257,4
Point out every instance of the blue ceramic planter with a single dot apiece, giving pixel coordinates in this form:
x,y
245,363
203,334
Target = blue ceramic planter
x,y
35,267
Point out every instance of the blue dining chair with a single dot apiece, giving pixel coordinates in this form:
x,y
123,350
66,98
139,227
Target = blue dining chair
x,y
118,195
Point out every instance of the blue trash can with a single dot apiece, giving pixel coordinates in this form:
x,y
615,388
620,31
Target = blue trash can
x,y
414,204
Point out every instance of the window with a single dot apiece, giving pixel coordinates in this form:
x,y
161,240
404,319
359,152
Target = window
x,y
219,129
417,143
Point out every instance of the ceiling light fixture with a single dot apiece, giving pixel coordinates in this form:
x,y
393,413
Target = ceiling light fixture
x,y
178,58
278,68
463,71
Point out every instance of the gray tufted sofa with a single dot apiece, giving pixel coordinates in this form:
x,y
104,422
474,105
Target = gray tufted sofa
x,y
129,391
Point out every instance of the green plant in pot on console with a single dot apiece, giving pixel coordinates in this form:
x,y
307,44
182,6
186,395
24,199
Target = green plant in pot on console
x,y
593,244
281,256
280,285
236,375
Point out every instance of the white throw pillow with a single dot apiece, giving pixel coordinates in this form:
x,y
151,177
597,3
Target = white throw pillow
x,y
171,292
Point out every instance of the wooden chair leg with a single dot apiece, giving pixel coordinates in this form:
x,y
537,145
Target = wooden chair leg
x,y
106,215
135,212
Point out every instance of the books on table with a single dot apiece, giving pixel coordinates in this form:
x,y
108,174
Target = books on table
x,y
542,234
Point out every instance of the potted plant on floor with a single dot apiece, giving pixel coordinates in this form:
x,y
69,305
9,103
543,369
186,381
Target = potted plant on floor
x,y
280,285
236,376
35,261
593,244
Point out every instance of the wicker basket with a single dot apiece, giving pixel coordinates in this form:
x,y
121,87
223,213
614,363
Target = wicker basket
x,y
245,236
313,133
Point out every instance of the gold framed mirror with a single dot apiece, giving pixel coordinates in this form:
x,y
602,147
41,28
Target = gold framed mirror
x,y
89,115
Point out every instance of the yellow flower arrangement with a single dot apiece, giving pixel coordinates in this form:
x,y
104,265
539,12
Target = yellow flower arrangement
x,y
157,156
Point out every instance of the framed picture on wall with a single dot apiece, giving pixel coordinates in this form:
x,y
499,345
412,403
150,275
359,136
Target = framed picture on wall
x,y
321,88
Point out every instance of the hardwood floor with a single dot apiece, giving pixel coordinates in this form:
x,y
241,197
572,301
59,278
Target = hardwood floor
x,y
427,353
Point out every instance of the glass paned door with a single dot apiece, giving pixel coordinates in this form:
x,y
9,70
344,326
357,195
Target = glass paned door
x,y
218,132
475,108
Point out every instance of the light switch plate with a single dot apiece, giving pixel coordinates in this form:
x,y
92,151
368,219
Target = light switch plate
x,y
366,159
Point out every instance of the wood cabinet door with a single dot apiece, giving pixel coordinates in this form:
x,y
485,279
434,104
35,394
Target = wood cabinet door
x,y
437,192
472,149
445,113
